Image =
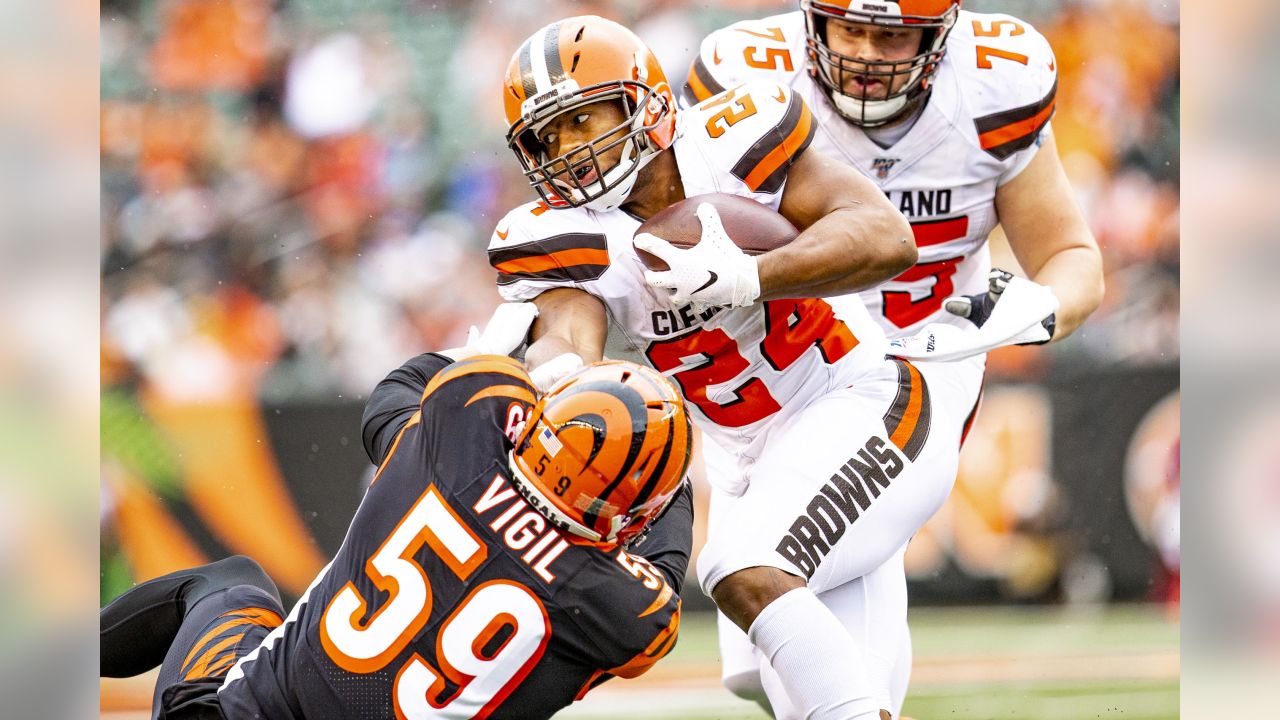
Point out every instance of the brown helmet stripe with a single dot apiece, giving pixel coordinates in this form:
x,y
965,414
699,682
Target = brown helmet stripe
x,y
526,70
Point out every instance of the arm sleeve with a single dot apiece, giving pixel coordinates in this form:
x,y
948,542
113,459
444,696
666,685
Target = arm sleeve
x,y
395,400
669,542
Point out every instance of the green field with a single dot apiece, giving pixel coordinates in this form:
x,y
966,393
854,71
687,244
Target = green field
x,y
970,664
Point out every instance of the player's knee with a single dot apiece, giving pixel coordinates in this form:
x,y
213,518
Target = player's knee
x,y
742,595
240,570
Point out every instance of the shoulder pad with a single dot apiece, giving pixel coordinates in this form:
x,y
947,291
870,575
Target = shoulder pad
x,y
772,47
535,243
754,131
1009,76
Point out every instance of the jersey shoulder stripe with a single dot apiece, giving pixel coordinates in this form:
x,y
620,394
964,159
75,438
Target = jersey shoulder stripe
x,y
1004,133
701,84
494,364
763,168
577,257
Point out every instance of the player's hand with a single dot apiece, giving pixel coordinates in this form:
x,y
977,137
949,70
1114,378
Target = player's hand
x,y
506,330
712,273
550,372
978,308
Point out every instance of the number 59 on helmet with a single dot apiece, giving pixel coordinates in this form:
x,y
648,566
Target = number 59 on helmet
x,y
604,451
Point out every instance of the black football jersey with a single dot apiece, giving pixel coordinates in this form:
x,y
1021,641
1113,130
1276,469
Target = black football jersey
x,y
450,596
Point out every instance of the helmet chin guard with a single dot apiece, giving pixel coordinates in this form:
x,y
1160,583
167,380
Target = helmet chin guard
x,y
832,70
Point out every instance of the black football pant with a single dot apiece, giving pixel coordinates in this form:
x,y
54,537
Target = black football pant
x,y
195,624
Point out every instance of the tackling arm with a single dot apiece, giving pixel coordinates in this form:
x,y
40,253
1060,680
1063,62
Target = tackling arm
x,y
1050,238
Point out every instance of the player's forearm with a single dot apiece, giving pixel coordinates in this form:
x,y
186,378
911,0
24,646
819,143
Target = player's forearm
x,y
845,251
554,345
1075,275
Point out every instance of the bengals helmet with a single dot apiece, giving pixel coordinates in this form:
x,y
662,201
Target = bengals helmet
x,y
572,63
604,451
830,68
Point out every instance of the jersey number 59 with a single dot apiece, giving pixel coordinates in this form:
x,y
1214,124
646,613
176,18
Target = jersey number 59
x,y
485,647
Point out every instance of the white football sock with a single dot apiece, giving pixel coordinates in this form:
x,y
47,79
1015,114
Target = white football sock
x,y
818,662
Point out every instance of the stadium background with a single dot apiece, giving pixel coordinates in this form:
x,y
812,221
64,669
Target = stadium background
x,y
296,196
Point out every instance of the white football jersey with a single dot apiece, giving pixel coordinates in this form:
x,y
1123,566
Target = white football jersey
x,y
992,97
740,369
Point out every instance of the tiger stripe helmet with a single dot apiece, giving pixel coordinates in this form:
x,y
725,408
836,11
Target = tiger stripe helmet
x,y
571,63
604,451
830,68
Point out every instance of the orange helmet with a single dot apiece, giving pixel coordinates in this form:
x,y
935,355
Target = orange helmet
x,y
604,451
830,68
571,63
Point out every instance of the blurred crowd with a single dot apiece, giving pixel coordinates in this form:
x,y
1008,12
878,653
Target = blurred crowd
x,y
296,194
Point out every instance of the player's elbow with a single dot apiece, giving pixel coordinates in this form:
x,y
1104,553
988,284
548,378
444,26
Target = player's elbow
x,y
1093,283
897,249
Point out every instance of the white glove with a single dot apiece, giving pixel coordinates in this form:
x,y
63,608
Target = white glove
x,y
552,371
714,272
506,330
1017,319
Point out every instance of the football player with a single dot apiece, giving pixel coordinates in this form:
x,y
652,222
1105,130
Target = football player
x,y
486,572
838,458
947,112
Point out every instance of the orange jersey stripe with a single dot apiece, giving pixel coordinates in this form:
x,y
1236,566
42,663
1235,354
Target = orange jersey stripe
x,y
699,90
472,366
202,666
417,418
1013,131
782,153
248,616
562,259
515,392
661,645
911,416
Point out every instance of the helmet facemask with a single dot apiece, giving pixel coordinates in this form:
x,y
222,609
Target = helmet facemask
x,y
558,180
833,70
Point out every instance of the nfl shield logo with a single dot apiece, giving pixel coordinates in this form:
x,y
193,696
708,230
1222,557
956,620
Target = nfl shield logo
x,y
882,166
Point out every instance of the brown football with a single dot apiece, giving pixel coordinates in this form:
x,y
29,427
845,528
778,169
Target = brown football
x,y
752,226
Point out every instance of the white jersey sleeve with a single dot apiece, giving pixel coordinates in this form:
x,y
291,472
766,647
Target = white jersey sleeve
x,y
744,141
771,48
1010,78
535,249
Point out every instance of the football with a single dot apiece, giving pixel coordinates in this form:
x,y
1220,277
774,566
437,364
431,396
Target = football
x,y
752,226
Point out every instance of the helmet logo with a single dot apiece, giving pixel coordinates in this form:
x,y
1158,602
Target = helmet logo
x,y
561,93
882,166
